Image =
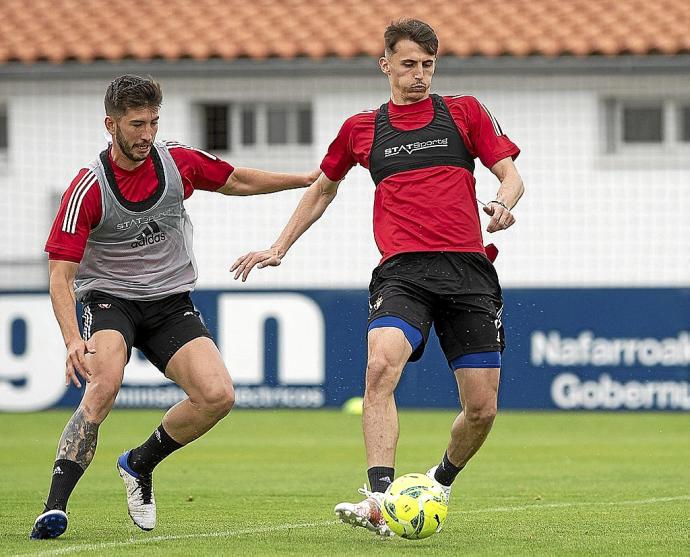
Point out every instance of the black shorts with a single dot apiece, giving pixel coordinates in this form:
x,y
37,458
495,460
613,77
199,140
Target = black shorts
x,y
158,328
457,292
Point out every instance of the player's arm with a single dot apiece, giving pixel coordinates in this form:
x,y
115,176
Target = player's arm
x,y
313,204
62,275
250,181
487,140
509,193
80,210
203,171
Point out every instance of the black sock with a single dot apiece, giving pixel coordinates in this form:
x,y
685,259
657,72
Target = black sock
x,y
66,474
380,477
446,471
146,457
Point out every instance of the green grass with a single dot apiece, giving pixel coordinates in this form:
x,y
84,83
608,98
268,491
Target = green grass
x,y
265,483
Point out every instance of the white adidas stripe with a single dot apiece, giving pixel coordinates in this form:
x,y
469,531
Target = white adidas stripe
x,y
72,197
88,320
175,144
73,227
69,223
497,127
494,122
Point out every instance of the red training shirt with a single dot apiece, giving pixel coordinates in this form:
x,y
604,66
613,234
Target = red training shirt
x,y
429,209
199,171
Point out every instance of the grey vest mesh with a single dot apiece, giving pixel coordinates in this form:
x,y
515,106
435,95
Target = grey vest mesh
x,y
140,255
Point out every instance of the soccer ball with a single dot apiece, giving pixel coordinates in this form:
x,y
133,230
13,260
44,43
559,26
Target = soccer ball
x,y
414,507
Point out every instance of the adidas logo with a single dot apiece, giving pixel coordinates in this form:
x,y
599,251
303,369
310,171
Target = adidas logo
x,y
377,304
387,479
150,235
58,471
158,435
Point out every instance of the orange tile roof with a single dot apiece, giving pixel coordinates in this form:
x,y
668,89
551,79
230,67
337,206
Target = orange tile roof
x,y
88,30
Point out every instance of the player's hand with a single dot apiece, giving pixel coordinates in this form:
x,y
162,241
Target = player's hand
x,y
501,217
77,363
260,259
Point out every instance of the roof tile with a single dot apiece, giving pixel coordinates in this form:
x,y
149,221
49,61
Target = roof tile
x,y
60,30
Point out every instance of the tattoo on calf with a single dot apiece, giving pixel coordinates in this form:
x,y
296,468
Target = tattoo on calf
x,y
78,441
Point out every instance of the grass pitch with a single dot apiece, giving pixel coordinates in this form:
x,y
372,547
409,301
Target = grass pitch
x,y
265,483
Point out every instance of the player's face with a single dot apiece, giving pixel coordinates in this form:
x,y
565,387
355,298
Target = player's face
x,y
135,132
410,70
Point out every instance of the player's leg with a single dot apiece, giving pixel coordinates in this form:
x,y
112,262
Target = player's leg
x,y
469,328
479,398
77,444
399,324
388,352
199,369
181,347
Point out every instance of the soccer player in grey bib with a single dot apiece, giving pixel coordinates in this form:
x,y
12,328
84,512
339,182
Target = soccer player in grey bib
x,y
122,245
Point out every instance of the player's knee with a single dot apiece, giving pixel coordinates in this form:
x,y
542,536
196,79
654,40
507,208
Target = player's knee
x,y
99,400
481,415
218,401
382,376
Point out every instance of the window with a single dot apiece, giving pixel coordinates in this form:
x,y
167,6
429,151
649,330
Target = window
x,y
304,133
646,128
251,126
685,124
248,126
4,133
289,124
4,137
277,126
643,124
216,127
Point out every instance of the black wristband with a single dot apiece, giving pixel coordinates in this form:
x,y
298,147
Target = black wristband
x,y
499,203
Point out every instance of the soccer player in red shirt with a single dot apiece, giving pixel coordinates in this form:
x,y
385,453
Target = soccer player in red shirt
x,y
122,244
420,150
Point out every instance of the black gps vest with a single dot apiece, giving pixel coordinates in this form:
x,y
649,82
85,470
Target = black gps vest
x,y
439,143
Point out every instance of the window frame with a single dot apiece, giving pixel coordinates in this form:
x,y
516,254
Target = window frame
x,y
615,154
236,122
671,110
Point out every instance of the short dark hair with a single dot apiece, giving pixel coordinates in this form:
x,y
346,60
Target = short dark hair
x,y
131,91
413,30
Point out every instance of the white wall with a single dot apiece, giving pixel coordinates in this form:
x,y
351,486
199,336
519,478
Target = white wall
x,y
586,220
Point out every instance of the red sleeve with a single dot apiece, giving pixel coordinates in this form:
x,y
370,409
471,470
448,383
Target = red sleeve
x,y
199,170
80,210
340,159
485,135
